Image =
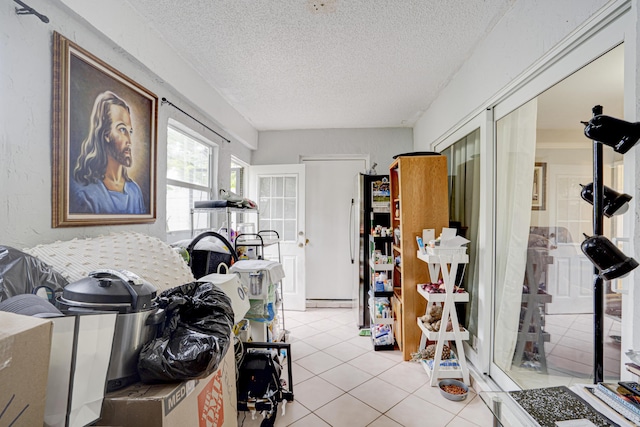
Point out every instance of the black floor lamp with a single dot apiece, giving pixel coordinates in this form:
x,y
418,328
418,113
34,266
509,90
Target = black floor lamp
x,y
609,262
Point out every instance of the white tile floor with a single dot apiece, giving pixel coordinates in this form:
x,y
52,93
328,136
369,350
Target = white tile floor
x,y
340,381
569,352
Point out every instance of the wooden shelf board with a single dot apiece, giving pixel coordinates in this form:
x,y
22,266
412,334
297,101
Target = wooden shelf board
x,y
420,184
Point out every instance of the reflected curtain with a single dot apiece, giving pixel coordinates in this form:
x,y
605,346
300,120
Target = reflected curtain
x,y
473,219
464,208
515,159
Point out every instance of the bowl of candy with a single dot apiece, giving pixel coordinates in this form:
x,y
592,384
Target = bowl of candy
x,y
453,389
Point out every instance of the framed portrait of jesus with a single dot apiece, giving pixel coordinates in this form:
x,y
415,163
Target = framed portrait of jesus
x,y
104,142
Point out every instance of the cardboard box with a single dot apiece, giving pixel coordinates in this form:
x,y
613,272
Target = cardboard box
x,y
25,345
208,402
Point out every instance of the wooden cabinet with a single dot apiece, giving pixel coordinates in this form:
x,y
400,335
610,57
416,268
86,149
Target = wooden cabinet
x,y
396,306
419,197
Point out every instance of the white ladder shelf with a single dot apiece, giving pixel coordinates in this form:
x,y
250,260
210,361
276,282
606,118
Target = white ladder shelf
x,y
447,264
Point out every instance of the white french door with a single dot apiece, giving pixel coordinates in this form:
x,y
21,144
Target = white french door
x,y
570,276
279,191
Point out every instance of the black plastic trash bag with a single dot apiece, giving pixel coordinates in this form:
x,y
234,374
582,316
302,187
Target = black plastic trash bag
x,y
193,338
21,273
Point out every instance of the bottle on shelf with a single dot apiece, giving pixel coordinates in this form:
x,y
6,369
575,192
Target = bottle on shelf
x,y
381,290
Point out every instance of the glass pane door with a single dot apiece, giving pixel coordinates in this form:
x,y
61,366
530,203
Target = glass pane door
x,y
278,205
544,284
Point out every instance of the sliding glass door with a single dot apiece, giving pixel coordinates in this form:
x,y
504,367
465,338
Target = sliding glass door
x,y
543,296
530,314
469,156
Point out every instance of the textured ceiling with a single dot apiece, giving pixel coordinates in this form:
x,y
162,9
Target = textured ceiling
x,y
304,64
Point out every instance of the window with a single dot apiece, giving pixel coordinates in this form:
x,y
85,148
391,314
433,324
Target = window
x,y
190,177
469,151
544,284
278,205
237,184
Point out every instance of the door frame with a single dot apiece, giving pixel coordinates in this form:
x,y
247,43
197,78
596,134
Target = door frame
x,y
478,348
297,169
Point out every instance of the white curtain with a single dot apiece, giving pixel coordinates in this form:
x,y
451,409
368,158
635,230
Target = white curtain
x,y
515,159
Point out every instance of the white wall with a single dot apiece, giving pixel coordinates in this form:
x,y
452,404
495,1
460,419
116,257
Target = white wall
x,y
25,121
528,31
285,147
134,36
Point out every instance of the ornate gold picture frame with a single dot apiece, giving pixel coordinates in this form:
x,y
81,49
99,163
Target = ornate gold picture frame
x,y
104,142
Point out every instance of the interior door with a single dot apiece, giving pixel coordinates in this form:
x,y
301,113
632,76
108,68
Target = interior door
x,y
330,270
570,276
280,193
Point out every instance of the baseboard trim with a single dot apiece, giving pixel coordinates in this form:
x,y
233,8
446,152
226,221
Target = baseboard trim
x,y
329,303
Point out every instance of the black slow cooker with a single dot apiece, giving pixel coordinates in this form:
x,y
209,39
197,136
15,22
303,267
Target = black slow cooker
x,y
133,299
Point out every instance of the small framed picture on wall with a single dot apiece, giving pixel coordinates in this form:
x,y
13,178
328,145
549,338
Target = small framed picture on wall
x,y
539,195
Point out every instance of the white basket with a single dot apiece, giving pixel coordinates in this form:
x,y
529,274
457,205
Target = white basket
x,y
446,251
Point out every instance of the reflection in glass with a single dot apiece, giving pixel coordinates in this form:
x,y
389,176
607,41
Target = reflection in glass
x,y
543,291
187,158
515,160
463,159
189,161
